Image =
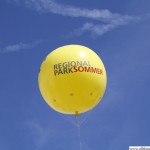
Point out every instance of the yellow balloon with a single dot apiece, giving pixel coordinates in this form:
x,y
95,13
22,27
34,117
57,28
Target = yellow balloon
x,y
72,79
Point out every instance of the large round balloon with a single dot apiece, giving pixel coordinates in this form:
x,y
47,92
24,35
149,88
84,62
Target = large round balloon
x,y
72,79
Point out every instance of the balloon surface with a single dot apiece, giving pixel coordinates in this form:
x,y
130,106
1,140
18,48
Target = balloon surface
x,y
72,79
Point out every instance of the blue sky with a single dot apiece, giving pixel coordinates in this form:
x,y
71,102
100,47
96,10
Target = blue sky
x,y
118,31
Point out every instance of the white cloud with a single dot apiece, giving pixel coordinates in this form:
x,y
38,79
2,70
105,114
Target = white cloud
x,y
72,11
67,10
96,30
110,20
20,46
40,135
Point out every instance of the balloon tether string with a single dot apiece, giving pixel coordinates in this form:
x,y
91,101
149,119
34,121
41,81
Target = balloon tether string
x,y
78,127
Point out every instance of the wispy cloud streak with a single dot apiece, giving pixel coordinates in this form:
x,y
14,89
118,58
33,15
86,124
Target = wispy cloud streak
x,y
95,29
108,20
72,11
19,46
39,134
